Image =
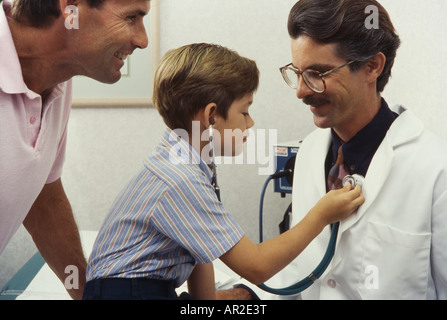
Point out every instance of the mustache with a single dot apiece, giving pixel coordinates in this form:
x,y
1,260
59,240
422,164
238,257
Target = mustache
x,y
312,101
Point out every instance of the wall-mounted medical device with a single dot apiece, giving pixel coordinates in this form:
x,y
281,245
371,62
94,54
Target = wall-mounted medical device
x,y
285,154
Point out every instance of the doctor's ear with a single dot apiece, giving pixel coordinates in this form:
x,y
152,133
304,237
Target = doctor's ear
x,y
374,67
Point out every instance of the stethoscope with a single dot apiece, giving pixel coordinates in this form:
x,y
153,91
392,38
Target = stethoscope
x,y
322,266
213,162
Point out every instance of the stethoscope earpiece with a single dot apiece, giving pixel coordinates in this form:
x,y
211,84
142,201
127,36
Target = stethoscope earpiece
x,y
213,164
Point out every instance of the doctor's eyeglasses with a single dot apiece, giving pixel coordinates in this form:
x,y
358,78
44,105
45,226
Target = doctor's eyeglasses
x,y
312,78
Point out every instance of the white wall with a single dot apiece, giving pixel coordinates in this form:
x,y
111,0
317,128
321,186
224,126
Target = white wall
x,y
419,80
106,146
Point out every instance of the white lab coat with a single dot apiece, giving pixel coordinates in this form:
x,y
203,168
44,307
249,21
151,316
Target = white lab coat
x,y
395,246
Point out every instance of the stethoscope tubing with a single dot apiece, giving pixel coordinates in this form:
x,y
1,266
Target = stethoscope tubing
x,y
316,274
330,250
321,267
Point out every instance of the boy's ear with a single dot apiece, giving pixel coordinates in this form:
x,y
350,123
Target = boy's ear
x,y
209,114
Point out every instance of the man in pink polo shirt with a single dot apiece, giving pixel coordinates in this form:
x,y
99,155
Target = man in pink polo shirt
x,y
39,54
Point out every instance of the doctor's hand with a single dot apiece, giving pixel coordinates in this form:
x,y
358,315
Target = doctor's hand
x,y
339,204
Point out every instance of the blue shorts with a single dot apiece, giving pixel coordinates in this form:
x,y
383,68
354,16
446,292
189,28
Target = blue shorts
x,y
129,289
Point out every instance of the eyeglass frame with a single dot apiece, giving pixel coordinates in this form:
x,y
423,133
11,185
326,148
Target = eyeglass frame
x,y
298,72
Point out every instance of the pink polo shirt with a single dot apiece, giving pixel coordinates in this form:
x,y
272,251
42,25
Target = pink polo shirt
x,y
32,137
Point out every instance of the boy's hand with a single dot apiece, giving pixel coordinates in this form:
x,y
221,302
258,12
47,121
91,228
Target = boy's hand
x,y
339,204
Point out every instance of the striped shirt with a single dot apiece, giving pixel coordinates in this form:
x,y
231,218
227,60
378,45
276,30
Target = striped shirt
x,y
166,220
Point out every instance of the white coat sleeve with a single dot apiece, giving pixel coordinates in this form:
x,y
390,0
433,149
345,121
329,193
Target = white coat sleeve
x,y
439,237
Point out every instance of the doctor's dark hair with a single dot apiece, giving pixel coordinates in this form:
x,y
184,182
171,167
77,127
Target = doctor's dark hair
x,y
41,13
342,22
192,76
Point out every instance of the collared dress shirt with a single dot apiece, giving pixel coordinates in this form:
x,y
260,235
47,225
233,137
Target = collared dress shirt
x,y
359,151
32,136
165,221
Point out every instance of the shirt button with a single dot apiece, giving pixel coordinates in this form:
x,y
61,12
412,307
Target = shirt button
x,y
32,120
331,283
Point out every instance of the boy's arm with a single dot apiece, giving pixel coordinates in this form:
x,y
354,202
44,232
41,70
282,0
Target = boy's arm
x,y
201,284
259,262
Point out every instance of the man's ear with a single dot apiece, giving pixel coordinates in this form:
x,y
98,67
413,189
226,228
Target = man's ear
x,y
64,4
374,67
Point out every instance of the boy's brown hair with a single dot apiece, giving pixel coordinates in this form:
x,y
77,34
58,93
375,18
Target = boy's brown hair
x,y
192,76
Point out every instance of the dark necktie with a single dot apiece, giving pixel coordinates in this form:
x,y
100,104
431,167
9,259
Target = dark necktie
x,y
338,171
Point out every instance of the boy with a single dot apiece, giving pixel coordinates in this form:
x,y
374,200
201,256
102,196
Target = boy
x,y
168,224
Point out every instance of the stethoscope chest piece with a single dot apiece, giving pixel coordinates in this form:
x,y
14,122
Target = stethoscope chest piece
x,y
355,179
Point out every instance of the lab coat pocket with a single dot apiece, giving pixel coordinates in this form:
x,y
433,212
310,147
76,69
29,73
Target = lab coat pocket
x,y
395,263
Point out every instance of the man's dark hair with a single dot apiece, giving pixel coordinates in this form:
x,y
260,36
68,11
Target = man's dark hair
x,y
41,13
342,22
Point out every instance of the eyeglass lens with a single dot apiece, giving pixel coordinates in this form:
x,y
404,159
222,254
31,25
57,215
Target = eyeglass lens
x,y
310,77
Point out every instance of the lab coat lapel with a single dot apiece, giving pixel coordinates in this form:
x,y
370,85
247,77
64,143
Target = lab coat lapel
x,y
381,163
318,156
309,187
378,172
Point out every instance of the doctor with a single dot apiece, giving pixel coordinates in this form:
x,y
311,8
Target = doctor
x,y
395,246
